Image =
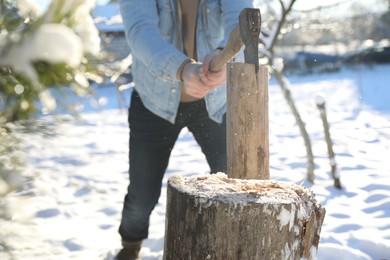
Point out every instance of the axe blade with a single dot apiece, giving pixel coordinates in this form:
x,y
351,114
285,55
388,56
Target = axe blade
x,y
250,26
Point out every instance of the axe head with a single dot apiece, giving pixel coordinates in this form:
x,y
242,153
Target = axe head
x,y
250,25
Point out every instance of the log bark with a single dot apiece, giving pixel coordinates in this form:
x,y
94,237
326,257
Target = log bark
x,y
215,217
247,122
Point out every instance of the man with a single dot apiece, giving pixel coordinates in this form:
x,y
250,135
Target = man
x,y
172,91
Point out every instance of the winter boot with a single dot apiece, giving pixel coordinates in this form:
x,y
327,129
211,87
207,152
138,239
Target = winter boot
x,y
130,251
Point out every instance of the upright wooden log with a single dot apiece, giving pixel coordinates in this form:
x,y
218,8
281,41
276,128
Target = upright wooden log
x,y
215,217
247,122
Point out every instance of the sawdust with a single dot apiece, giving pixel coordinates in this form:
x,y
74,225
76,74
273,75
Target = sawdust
x,y
221,188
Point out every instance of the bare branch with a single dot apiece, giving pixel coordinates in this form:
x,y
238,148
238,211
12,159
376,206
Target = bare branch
x,y
278,73
322,7
282,5
280,23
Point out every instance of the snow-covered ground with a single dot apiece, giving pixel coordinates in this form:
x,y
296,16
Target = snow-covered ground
x,y
70,207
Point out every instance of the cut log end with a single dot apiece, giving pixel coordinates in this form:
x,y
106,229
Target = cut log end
x,y
240,219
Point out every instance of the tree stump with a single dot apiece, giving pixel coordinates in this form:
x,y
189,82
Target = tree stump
x,y
215,217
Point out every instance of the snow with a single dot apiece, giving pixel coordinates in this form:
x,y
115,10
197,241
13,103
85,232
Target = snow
x,y
76,175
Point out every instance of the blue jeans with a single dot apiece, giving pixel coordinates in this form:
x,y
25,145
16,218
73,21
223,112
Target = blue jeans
x,y
151,142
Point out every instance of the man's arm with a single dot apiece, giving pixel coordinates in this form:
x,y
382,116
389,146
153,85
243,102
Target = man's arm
x,y
140,19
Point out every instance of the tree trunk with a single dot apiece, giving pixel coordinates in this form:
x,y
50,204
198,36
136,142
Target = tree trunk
x,y
215,217
302,128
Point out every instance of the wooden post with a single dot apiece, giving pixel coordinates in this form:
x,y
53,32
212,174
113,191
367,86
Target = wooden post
x,y
247,122
215,217
335,174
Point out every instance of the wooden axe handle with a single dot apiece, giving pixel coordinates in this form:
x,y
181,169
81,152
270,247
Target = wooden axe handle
x,y
232,47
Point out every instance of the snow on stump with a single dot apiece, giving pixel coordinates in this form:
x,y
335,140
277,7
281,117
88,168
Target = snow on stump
x,y
216,217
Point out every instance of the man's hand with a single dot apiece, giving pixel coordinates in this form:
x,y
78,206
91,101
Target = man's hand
x,y
212,79
197,78
193,84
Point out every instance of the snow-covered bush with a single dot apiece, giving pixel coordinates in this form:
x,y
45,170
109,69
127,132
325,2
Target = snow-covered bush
x,y
41,53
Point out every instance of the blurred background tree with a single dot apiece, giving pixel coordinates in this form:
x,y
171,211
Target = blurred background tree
x,y
386,16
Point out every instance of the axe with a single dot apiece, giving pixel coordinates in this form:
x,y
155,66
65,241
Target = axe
x,y
246,32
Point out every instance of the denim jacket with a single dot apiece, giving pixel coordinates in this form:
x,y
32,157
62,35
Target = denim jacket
x,y
155,44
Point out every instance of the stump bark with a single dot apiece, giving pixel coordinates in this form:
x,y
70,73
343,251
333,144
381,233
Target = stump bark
x,y
215,217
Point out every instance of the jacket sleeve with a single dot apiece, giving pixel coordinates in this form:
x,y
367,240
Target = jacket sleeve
x,y
140,20
230,13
